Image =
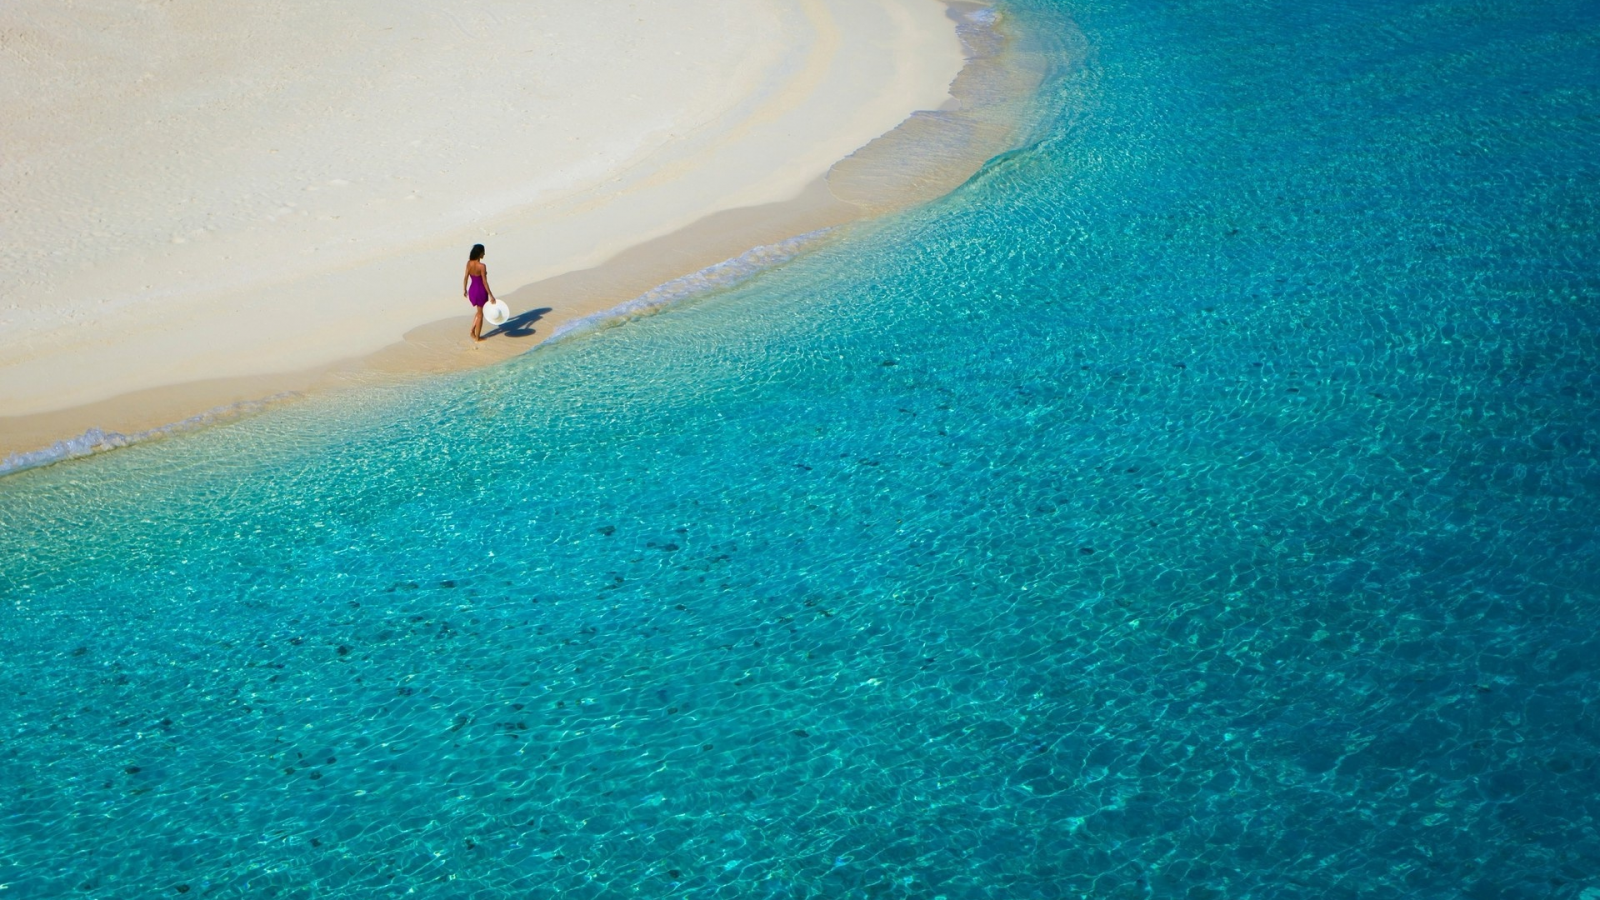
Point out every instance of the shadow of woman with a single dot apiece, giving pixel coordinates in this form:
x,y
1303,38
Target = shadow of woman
x,y
520,326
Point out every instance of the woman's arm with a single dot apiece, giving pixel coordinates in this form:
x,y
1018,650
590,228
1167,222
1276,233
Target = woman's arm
x,y
466,277
488,290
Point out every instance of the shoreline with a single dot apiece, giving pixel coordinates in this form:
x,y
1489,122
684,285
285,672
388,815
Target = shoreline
x,y
928,155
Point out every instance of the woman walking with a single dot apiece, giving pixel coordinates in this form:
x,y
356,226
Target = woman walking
x,y
475,287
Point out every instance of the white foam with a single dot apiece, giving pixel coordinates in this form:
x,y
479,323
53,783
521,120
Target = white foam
x,y
97,440
723,275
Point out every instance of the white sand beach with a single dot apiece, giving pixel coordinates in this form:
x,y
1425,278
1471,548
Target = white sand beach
x,y
200,191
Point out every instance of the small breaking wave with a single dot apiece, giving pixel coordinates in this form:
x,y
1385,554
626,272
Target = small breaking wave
x,y
97,440
723,275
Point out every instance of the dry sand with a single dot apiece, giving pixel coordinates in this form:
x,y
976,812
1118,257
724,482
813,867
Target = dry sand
x,y
251,200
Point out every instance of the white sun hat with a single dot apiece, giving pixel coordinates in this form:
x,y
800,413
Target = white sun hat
x,y
496,313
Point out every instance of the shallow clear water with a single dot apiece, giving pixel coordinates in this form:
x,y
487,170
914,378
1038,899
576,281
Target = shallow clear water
x,y
1202,502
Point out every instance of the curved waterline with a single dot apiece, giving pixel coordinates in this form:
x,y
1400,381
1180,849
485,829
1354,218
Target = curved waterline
x,y
991,107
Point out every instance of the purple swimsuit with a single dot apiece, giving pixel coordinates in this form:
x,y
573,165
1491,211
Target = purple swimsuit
x,y
477,295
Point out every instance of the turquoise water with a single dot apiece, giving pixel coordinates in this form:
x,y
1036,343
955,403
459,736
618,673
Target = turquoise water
x,y
1202,503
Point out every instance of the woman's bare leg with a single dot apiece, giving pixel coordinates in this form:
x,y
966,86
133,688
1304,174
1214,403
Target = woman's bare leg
x,y
477,324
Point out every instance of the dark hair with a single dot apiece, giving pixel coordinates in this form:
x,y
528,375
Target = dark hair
x,y
477,253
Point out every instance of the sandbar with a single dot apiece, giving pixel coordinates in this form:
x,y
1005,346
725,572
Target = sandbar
x,y
193,267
